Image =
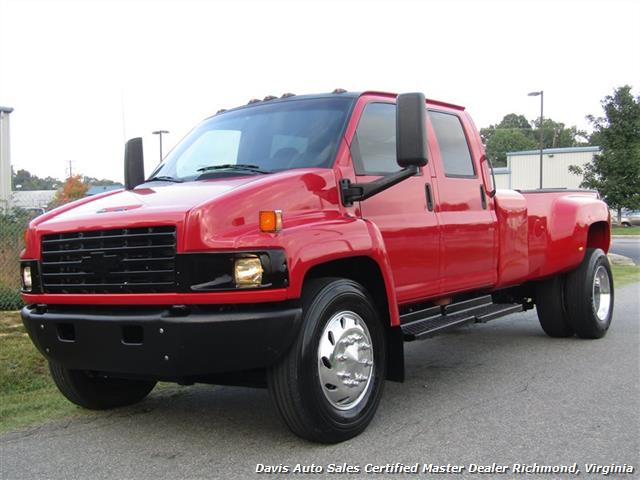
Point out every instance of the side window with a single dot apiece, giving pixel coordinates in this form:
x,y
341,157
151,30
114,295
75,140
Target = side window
x,y
373,148
454,149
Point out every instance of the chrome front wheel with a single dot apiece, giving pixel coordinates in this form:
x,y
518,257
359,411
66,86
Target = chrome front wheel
x,y
345,360
328,386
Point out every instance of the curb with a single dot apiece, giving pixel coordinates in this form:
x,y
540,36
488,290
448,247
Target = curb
x,y
617,259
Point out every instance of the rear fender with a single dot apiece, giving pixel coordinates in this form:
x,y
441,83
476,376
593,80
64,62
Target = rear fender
x,y
568,231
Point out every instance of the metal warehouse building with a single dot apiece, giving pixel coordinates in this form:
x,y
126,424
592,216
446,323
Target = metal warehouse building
x,y
523,168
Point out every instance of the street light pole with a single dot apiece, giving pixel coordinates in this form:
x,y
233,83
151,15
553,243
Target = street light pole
x,y
535,94
159,133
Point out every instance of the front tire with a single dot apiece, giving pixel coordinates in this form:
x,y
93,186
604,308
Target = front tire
x,y
589,295
328,386
98,392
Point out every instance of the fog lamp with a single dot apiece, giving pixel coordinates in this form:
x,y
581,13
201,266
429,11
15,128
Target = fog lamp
x,y
27,282
247,272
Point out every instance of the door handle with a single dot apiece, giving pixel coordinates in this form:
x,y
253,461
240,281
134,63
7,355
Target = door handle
x,y
483,197
429,197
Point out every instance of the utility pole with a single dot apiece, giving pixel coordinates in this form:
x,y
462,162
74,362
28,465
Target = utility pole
x,y
159,133
541,94
70,168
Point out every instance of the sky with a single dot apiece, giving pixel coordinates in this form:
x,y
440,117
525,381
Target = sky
x,y
84,76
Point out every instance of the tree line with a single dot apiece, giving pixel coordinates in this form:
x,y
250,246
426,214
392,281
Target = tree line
x,y
67,190
515,133
25,180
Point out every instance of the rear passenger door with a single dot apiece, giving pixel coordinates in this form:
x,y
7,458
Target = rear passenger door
x,y
408,225
465,213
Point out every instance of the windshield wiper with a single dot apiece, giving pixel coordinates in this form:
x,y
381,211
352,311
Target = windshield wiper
x,y
164,178
238,166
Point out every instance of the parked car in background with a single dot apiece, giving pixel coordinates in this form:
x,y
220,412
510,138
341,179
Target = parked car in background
x,y
631,218
624,220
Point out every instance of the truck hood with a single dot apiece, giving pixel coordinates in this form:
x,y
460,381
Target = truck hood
x,y
208,214
164,202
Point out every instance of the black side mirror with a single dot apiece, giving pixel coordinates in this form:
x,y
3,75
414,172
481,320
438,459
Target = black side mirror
x,y
411,130
133,163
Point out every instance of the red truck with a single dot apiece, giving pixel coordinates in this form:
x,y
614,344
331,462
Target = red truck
x,y
297,243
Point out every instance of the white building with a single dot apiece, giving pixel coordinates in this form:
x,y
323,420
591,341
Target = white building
x,y
523,168
5,160
32,199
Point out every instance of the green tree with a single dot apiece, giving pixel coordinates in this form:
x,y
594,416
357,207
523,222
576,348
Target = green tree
x,y
615,172
515,132
503,141
557,135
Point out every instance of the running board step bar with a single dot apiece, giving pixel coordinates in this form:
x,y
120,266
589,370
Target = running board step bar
x,y
431,321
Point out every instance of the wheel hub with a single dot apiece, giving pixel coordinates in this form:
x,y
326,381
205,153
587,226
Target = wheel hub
x,y
345,360
601,293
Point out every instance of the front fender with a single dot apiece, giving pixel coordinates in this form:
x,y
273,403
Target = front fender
x,y
314,244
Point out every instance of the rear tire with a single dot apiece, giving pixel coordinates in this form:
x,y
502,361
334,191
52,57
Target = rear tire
x,y
98,392
551,308
589,295
328,386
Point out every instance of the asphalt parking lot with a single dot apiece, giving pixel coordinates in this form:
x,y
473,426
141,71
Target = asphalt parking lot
x,y
501,392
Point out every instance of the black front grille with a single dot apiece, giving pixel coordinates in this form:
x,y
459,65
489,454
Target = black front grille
x,y
126,260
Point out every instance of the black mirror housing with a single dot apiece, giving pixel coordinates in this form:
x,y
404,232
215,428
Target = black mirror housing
x,y
411,130
133,163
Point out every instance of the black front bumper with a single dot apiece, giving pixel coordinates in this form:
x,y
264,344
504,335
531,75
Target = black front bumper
x,y
163,343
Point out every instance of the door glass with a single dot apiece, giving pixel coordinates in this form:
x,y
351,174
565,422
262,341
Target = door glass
x,y
454,150
373,148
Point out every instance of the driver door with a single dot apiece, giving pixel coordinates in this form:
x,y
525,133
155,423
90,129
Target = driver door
x,y
409,226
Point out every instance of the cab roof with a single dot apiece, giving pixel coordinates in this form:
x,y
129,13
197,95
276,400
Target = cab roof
x,y
338,92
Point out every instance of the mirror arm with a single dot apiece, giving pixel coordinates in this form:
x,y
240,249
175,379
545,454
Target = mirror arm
x,y
355,192
492,193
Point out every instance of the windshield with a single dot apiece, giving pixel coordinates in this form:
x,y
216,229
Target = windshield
x,y
260,139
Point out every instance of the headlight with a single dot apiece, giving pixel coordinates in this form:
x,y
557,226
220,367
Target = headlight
x,y
248,271
27,282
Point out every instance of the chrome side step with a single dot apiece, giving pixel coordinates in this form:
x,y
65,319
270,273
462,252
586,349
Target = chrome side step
x,y
431,321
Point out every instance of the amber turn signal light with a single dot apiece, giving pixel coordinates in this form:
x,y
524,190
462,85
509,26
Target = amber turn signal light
x,y
271,221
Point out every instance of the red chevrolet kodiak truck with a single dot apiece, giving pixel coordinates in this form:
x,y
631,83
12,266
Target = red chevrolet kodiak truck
x,y
297,243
